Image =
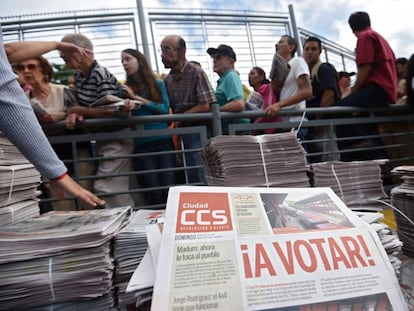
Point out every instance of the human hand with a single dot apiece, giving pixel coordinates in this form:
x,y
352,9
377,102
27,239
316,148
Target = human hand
x,y
70,121
272,110
129,105
71,48
66,185
127,92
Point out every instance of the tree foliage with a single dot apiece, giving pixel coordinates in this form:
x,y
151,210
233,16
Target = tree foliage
x,y
61,73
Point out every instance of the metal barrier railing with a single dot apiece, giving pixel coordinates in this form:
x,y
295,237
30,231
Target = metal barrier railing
x,y
333,117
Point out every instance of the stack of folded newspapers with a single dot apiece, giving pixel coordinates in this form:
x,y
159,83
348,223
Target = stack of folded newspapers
x,y
274,160
357,183
130,246
60,260
402,198
142,280
18,185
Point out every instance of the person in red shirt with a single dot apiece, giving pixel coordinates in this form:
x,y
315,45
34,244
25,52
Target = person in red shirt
x,y
376,81
375,85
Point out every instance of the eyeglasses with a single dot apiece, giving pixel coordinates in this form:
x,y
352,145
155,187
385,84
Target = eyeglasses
x,y
167,50
28,67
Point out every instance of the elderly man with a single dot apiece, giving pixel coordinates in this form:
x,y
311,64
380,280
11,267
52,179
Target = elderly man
x,y
189,91
229,91
92,82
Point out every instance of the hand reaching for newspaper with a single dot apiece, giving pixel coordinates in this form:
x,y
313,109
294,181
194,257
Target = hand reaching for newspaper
x,y
66,185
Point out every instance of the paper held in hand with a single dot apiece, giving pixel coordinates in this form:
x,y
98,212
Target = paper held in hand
x,y
111,102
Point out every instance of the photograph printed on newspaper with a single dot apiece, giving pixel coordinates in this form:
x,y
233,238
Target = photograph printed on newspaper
x,y
227,248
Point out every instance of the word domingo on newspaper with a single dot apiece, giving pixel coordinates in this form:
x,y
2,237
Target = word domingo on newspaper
x,y
307,255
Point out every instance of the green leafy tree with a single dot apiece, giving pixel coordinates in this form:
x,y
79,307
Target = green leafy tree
x,y
61,73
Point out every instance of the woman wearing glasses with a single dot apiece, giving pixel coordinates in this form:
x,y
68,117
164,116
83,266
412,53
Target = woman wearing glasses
x,y
49,101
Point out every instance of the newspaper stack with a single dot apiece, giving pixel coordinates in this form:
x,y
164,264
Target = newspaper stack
x,y
143,278
357,183
388,237
9,154
274,160
402,198
60,259
130,246
18,185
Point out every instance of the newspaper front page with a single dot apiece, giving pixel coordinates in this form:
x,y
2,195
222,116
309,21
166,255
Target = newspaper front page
x,y
227,248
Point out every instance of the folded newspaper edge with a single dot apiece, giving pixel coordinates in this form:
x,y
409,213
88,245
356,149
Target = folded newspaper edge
x,y
113,102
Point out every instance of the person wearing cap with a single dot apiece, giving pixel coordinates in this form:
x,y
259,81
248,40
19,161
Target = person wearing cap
x,y
375,86
344,82
401,67
189,91
229,90
297,86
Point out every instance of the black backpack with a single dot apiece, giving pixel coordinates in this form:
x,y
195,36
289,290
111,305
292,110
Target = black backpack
x,y
338,94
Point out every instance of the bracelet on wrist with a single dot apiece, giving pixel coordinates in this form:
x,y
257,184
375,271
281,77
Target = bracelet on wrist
x,y
59,177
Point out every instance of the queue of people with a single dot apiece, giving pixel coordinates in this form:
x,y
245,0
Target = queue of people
x,y
306,82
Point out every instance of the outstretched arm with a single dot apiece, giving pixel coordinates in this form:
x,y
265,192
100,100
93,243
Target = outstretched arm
x,y
21,50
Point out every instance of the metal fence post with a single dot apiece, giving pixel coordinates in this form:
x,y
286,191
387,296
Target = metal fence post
x,y
216,120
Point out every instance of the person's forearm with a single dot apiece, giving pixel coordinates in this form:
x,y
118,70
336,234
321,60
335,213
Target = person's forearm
x,y
199,108
236,105
21,50
301,95
328,98
363,73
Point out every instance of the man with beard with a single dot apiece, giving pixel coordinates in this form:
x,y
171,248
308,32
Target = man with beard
x,y
189,91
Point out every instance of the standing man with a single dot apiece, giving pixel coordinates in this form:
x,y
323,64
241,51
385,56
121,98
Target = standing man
x,y
325,94
297,86
92,82
229,90
375,85
189,91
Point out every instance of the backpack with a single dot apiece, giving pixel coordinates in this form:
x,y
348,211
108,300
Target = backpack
x,y
314,74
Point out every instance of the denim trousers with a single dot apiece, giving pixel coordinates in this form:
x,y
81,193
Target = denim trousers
x,y
193,141
154,162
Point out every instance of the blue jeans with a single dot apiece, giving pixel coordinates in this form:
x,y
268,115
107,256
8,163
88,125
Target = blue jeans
x,y
153,162
192,141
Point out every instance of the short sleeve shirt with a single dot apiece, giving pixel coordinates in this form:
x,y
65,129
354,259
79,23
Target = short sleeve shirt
x,y
98,83
229,87
298,67
373,49
326,80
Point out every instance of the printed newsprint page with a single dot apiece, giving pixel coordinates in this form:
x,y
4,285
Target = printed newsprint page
x,y
227,248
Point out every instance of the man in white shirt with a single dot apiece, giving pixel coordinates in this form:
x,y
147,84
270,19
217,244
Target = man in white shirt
x,y
297,86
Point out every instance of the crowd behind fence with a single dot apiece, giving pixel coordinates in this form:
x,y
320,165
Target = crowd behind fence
x,y
334,116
